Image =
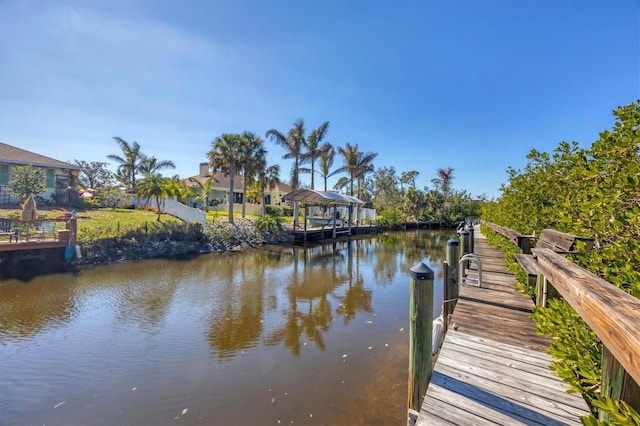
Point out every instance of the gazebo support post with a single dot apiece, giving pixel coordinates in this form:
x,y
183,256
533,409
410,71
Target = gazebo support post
x,y
350,207
335,211
306,214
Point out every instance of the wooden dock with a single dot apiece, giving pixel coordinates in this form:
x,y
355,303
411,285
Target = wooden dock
x,y
34,252
326,233
493,368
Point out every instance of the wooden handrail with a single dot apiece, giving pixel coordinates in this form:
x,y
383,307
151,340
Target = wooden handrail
x,y
610,312
506,232
516,238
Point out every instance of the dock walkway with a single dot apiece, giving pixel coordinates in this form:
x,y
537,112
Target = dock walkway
x,y
493,368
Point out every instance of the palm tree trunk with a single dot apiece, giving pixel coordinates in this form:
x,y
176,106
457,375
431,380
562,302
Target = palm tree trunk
x,y
312,172
295,203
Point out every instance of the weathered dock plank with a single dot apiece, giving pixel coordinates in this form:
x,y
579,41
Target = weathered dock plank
x,y
493,367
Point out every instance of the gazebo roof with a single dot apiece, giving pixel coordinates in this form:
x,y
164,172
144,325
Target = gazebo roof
x,y
312,196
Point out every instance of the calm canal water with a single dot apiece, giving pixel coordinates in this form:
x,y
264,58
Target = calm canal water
x,y
269,336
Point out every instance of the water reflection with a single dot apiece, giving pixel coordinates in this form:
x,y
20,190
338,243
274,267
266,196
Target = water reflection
x,y
29,308
356,297
236,319
200,333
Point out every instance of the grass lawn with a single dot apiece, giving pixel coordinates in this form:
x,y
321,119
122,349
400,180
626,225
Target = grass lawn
x,y
108,223
214,214
101,223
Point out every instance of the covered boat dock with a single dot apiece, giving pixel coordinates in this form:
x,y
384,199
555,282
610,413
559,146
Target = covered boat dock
x,y
331,225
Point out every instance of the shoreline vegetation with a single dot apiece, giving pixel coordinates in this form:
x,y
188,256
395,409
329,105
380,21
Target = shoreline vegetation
x,y
120,235
179,240
112,235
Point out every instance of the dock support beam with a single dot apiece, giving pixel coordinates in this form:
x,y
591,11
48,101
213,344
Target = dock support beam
x,y
420,333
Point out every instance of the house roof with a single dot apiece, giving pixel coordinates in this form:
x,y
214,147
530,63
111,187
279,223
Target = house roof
x,y
321,197
222,182
14,155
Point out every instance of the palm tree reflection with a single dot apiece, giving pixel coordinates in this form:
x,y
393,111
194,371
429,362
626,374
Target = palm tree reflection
x,y
304,289
356,297
318,273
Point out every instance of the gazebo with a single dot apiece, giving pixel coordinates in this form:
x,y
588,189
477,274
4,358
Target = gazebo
x,y
325,198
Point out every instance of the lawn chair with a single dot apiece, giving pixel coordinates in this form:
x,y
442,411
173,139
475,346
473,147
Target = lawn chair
x,y
44,229
6,231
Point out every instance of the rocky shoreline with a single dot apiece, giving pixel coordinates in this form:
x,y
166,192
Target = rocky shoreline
x,y
188,242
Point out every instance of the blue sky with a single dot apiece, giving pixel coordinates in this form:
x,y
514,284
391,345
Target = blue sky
x,y
473,85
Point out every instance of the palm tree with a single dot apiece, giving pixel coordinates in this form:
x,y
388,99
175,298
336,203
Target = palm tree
x,y
325,164
350,155
267,179
180,189
253,159
365,166
356,163
445,176
157,187
205,190
224,157
315,148
294,142
150,165
342,183
128,163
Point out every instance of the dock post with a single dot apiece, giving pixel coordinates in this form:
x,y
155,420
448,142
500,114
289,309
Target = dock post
x,y
465,247
617,383
72,226
335,209
306,215
471,238
451,286
420,333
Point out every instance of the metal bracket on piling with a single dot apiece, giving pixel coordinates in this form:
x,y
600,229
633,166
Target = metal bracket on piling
x,y
462,277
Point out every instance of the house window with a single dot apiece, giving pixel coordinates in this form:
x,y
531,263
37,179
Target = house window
x,y
51,178
267,200
4,174
237,197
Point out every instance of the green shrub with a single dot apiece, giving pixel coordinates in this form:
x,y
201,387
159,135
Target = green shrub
x,y
273,211
391,218
591,192
268,223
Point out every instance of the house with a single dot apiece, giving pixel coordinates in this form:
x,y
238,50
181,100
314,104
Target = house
x,y
219,194
59,176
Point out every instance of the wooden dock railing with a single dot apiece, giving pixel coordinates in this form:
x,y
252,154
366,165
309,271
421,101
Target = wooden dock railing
x,y
612,314
518,239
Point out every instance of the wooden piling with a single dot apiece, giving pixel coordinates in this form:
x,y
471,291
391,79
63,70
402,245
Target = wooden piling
x,y
420,333
471,239
72,226
465,248
451,284
617,383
